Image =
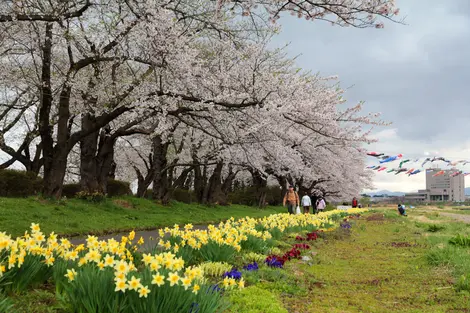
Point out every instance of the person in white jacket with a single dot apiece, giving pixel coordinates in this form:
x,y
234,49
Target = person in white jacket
x,y
306,203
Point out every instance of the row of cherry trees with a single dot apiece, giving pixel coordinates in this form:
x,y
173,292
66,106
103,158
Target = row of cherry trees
x,y
176,94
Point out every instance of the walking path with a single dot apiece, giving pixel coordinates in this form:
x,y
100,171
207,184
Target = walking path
x,y
151,237
460,217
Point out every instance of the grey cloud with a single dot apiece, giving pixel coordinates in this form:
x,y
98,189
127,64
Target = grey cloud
x,y
417,74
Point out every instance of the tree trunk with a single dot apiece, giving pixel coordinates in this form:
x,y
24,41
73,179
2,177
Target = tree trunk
x,y
54,170
283,182
160,179
88,149
227,185
105,164
214,188
55,174
260,183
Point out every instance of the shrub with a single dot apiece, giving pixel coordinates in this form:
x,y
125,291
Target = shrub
x,y
215,269
249,196
255,300
70,190
183,195
14,183
90,196
460,240
435,228
118,188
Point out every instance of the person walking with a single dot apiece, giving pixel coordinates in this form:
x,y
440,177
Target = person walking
x,y
354,202
321,205
306,203
291,199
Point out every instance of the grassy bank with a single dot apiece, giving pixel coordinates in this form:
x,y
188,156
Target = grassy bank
x,y
383,265
74,217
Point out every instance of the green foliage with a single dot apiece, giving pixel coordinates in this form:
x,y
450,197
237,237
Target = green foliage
x,y
249,196
183,195
37,301
214,252
463,284
254,257
275,279
255,300
459,240
256,244
433,228
276,233
118,188
33,273
275,251
93,291
90,196
14,183
215,269
6,304
70,190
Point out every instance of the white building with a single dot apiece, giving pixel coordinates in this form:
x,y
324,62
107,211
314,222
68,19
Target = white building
x,y
440,188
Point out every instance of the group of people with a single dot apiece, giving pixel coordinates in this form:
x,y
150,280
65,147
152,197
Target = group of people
x,y
292,200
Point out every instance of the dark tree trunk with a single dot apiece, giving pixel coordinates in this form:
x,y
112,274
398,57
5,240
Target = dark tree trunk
x,y
88,149
214,188
283,182
105,164
260,183
143,182
160,179
199,180
55,158
227,185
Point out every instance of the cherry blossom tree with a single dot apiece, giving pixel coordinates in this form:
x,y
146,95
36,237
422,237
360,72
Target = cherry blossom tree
x,y
90,69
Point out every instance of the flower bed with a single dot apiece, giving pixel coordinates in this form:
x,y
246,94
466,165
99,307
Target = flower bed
x,y
113,276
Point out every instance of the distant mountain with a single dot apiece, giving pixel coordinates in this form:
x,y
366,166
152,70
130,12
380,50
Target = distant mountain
x,y
388,192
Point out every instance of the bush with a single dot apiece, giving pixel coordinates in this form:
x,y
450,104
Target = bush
x,y
183,195
14,183
90,196
248,196
118,188
70,190
255,300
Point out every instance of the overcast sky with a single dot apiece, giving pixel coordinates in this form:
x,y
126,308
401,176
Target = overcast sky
x,y
417,75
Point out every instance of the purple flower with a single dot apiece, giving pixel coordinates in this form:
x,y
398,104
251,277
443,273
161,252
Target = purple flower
x,y
194,308
233,274
274,261
251,267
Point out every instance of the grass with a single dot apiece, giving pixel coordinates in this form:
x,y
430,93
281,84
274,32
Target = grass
x,y
75,217
381,267
387,263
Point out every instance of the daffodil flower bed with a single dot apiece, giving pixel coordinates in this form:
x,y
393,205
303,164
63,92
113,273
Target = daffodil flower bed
x,y
113,276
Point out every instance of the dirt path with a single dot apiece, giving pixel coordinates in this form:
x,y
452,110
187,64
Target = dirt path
x,y
459,217
151,237
380,268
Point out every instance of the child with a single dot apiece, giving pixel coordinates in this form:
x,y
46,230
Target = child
x,y
321,205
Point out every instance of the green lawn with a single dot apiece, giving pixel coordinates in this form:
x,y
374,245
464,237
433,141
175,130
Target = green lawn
x,y
75,216
382,267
